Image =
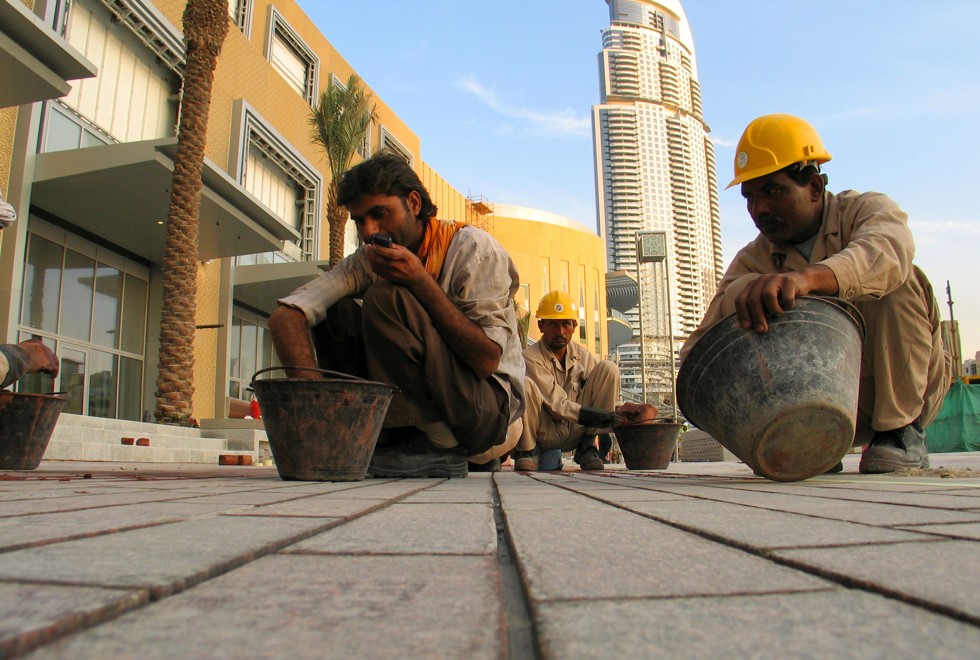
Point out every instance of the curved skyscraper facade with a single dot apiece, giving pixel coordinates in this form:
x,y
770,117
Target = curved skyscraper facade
x,y
655,173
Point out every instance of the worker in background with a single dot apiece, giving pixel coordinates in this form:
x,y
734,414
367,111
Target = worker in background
x,y
856,246
571,394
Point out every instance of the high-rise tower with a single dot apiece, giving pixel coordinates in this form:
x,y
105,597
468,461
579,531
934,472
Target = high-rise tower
x,y
655,172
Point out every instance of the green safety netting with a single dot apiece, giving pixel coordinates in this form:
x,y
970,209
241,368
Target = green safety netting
x,y
957,427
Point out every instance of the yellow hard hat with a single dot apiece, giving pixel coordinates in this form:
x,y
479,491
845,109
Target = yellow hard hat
x,y
773,142
557,305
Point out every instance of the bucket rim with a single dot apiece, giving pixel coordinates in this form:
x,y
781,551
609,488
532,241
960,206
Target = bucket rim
x,y
53,396
659,421
340,377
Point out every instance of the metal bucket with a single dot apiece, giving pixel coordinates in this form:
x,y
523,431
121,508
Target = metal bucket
x,y
322,430
784,402
26,424
648,445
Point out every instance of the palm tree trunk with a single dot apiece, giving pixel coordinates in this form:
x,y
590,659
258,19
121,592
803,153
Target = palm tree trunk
x,y
205,28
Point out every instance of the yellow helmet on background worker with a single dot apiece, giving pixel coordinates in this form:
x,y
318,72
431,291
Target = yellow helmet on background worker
x,y
772,142
557,305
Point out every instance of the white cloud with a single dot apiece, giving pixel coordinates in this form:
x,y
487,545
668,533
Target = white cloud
x,y
557,122
938,227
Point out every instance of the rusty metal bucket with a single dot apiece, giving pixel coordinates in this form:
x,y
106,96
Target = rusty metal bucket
x,y
784,402
322,430
649,445
26,424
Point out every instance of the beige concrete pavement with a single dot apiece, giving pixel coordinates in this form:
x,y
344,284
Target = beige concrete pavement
x,y
701,559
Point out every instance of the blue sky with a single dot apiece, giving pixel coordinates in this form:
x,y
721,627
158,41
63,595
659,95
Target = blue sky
x,y
500,94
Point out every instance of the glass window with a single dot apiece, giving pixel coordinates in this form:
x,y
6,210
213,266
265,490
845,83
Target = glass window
x,y
292,58
88,312
250,348
42,285
72,376
102,384
62,133
130,389
134,315
76,298
105,319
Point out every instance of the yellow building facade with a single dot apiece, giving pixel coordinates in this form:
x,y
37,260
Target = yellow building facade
x,y
87,166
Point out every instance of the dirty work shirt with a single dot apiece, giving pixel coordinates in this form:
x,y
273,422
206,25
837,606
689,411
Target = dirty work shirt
x,y
479,278
865,240
560,385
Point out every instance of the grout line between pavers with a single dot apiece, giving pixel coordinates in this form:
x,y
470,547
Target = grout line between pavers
x,y
519,625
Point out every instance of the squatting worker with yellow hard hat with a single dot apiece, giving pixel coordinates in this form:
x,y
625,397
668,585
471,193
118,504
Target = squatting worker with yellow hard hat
x,y
571,395
856,246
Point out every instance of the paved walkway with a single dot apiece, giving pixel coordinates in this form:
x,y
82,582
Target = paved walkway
x,y
105,560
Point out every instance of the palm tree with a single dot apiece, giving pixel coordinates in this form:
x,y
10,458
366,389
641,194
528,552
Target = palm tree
x,y
340,120
205,27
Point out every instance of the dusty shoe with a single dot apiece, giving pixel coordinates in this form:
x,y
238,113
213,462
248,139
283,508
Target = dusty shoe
x,y
588,458
837,468
525,461
895,450
417,457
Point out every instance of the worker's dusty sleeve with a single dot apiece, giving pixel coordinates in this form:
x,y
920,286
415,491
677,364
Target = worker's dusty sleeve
x,y
350,277
751,261
14,362
878,257
554,399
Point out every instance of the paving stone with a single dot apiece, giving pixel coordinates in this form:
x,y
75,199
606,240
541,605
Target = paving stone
x,y
474,489
870,513
324,506
242,498
761,529
32,614
413,529
22,531
302,606
78,501
164,559
831,624
958,530
609,553
942,573
377,489
939,500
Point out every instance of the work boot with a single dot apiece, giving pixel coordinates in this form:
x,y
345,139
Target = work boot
x,y
416,457
895,450
588,458
525,461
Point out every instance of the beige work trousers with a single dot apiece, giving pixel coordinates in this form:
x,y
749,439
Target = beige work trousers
x,y
905,371
393,340
543,430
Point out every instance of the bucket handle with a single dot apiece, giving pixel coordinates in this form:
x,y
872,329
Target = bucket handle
x,y
848,307
322,371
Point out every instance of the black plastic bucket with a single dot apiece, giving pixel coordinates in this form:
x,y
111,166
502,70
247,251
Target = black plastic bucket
x,y
26,424
322,429
784,402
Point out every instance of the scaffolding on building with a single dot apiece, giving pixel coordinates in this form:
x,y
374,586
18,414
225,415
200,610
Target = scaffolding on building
x,y
479,212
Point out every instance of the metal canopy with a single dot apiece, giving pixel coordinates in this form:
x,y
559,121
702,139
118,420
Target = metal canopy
x,y
35,62
121,193
260,286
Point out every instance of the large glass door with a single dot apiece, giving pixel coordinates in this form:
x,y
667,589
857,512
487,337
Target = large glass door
x,y
89,305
